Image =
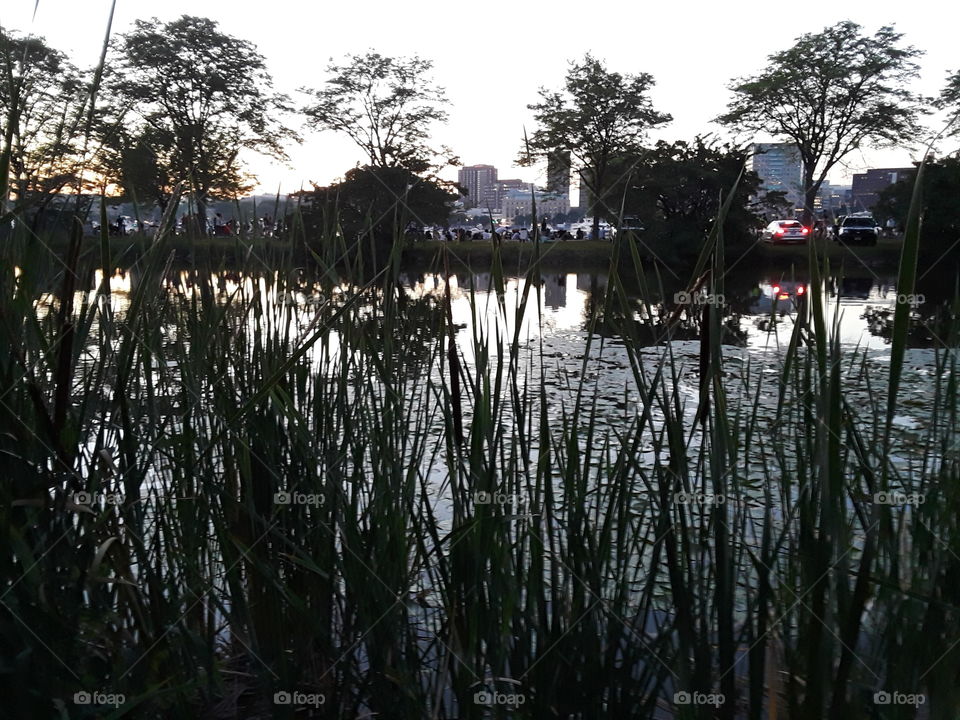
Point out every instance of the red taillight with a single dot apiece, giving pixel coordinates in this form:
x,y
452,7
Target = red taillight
x,y
805,231
801,290
779,232
776,289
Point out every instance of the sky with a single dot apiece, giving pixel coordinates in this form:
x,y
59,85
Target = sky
x,y
493,56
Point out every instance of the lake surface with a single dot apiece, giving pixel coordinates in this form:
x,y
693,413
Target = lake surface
x,y
567,345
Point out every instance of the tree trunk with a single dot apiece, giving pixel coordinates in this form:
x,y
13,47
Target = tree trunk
x,y
202,213
595,231
596,200
811,188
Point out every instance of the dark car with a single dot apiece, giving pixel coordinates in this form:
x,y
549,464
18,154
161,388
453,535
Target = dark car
x,y
858,229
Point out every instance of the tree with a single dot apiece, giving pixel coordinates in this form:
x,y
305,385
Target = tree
x,y
831,93
377,201
140,160
599,116
940,230
197,97
676,189
43,100
950,100
387,106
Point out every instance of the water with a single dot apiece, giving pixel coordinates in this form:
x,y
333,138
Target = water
x,y
565,341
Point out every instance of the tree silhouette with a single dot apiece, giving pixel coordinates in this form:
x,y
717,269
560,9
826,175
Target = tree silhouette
x,y
196,97
831,93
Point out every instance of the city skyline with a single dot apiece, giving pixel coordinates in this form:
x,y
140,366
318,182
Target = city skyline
x,y
489,83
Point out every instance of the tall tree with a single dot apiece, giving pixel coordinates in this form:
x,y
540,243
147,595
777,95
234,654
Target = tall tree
x,y
42,104
598,116
377,201
950,100
676,188
387,106
831,93
196,97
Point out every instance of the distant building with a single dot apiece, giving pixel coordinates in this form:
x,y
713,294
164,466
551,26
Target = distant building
x,y
476,179
519,202
493,194
483,216
832,198
558,172
868,186
780,169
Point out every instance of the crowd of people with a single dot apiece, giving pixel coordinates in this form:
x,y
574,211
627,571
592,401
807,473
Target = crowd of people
x,y
217,226
497,234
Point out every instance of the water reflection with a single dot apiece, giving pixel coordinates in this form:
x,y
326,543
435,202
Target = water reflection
x,y
755,303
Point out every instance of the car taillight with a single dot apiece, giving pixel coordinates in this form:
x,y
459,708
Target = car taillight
x,y
779,232
805,231
776,289
801,290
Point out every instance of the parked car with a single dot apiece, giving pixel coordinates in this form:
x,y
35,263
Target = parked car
x,y
785,231
861,229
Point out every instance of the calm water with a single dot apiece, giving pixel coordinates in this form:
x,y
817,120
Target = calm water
x,y
566,343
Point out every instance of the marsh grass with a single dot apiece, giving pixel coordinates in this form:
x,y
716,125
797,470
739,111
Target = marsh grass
x,y
398,590
149,441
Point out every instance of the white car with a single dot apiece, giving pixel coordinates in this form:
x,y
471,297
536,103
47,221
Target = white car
x,y
785,231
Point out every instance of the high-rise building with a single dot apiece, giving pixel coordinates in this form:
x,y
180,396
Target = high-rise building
x,y
832,198
868,186
780,169
493,194
558,172
476,179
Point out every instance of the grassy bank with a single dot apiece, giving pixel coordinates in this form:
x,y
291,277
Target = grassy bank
x,y
596,255
585,256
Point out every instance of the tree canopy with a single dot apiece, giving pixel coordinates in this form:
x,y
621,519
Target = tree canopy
x,y
676,188
950,100
381,202
43,99
598,116
198,97
940,229
387,106
831,93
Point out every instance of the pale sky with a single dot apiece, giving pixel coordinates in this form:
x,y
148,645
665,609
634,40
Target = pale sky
x,y
493,56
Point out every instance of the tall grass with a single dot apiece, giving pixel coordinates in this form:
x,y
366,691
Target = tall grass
x,y
148,553
242,481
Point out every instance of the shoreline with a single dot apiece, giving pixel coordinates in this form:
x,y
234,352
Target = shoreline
x,y
478,254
